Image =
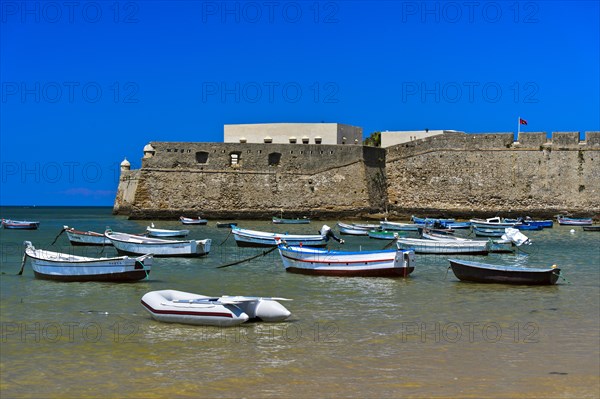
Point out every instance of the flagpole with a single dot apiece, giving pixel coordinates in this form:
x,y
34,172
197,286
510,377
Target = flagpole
x,y
518,127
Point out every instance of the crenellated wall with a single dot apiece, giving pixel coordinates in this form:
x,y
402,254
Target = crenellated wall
x,y
453,174
260,181
464,174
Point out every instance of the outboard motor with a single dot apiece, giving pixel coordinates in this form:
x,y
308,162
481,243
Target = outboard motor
x,y
328,233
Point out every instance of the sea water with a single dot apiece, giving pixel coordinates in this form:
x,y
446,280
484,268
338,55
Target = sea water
x,y
428,335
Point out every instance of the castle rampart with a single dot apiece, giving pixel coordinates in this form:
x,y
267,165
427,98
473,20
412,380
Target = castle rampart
x,y
450,174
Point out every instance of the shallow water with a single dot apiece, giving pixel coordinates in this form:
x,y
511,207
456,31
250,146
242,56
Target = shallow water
x,y
425,336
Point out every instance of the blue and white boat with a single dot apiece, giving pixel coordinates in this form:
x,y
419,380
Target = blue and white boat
x,y
484,232
353,230
20,224
493,223
423,246
255,238
527,220
387,263
565,221
396,226
428,221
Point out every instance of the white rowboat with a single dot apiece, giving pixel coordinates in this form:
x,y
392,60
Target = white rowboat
x,y
154,232
254,238
133,244
77,237
421,246
185,220
391,263
66,267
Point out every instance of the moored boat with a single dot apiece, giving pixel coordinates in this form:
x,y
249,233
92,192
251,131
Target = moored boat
x,y
493,223
487,273
566,221
134,244
255,238
396,226
528,220
428,221
494,246
227,225
303,220
197,220
50,265
154,232
20,224
387,263
171,306
77,237
483,232
448,247
384,234
527,226
352,230
457,225
591,228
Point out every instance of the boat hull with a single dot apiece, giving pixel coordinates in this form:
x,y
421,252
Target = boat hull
x,y
393,263
117,277
162,233
483,232
443,247
490,274
574,221
290,221
382,234
128,244
49,265
253,238
19,224
393,226
591,228
87,238
185,220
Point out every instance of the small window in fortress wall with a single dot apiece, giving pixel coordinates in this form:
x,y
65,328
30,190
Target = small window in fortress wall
x,y
274,158
235,158
202,157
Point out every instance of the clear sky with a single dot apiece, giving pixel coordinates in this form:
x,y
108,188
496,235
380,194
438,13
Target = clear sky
x,y
87,83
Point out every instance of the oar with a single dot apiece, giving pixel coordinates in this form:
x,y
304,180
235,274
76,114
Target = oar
x,y
22,263
62,231
263,253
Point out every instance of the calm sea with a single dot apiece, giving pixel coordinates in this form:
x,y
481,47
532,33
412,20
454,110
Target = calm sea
x,y
425,336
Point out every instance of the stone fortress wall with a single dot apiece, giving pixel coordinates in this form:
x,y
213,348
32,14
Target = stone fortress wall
x,y
460,174
248,180
453,174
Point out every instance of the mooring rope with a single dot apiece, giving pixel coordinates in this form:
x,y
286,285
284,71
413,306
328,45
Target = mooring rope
x,y
59,234
263,253
226,238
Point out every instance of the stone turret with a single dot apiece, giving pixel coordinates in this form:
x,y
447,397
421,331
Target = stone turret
x,y
149,151
125,165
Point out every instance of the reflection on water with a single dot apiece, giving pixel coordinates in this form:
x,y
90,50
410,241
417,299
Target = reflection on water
x,y
425,336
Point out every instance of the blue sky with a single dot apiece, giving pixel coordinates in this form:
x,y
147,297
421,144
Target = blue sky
x,y
87,83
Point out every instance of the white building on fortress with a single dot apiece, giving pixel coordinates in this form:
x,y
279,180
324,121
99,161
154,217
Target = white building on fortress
x,y
294,133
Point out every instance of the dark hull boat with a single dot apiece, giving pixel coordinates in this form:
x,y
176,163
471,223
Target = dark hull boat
x,y
591,228
20,224
486,273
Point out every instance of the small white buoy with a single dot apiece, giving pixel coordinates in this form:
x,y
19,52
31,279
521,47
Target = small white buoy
x,y
572,231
